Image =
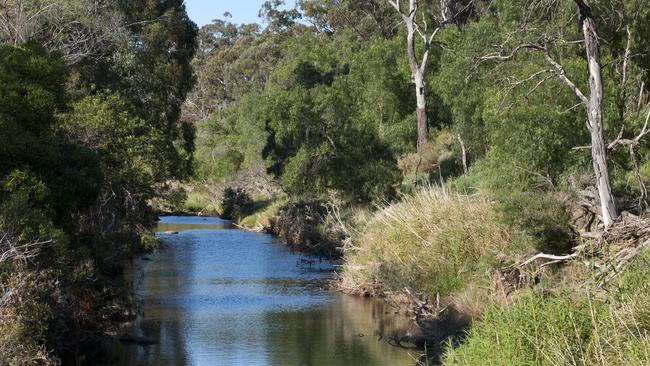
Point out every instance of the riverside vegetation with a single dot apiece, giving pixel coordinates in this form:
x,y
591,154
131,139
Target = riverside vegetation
x,y
90,134
492,215
482,162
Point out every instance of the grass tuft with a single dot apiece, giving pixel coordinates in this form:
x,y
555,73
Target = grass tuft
x,y
434,241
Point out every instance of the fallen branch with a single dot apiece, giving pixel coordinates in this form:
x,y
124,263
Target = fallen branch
x,y
622,260
556,258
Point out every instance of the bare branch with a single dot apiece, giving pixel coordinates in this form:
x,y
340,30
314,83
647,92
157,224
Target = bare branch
x,y
571,108
395,5
620,141
551,257
562,75
11,250
499,56
542,47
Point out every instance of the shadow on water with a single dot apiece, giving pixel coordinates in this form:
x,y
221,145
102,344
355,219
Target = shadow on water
x,y
216,296
184,223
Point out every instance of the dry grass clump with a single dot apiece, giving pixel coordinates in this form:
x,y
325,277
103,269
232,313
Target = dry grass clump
x,y
434,241
433,154
23,318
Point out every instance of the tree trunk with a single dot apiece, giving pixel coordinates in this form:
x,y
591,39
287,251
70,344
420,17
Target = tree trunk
x,y
463,152
595,115
420,89
421,114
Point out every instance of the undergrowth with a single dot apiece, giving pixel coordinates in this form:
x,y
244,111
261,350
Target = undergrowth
x,y
572,326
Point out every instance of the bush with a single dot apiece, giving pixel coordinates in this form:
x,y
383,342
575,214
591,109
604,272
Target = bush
x,y
439,158
526,201
235,203
542,215
433,241
300,225
24,316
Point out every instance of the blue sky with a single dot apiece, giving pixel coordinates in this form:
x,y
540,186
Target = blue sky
x,y
203,12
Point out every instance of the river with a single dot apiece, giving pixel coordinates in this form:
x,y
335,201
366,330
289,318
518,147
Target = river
x,y
216,295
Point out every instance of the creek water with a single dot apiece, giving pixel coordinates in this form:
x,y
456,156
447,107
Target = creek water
x,y
216,295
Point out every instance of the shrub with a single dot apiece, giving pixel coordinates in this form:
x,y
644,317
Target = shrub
x,y
542,215
24,316
301,226
525,202
235,203
439,158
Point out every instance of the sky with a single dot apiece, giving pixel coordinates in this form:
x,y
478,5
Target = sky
x,y
202,12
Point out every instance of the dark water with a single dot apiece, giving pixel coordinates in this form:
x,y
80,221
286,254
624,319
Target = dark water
x,y
219,296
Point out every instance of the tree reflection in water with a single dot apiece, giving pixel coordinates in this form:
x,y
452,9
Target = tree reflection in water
x,y
216,296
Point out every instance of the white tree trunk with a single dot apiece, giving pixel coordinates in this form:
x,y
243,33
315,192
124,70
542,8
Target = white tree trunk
x,y
463,152
417,73
595,115
423,133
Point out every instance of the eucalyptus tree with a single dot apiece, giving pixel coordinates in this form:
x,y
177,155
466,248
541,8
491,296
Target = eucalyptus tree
x,y
366,18
547,29
78,29
417,25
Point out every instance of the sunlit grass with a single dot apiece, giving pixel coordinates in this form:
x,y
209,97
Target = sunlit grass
x,y
569,327
434,241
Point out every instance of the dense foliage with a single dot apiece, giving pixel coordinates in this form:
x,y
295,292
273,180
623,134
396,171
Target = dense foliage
x,y
280,91
90,97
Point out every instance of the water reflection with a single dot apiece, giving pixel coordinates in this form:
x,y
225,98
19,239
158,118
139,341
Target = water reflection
x,y
178,223
229,297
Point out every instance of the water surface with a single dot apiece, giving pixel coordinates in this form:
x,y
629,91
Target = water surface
x,y
220,296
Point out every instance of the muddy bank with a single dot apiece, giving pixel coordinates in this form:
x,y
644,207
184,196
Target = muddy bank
x,y
436,323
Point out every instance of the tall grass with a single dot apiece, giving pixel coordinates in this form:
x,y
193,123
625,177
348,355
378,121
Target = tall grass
x,y
199,200
263,212
567,328
434,241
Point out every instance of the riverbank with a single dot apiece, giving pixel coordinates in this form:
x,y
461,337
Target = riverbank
x,y
476,282
459,266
